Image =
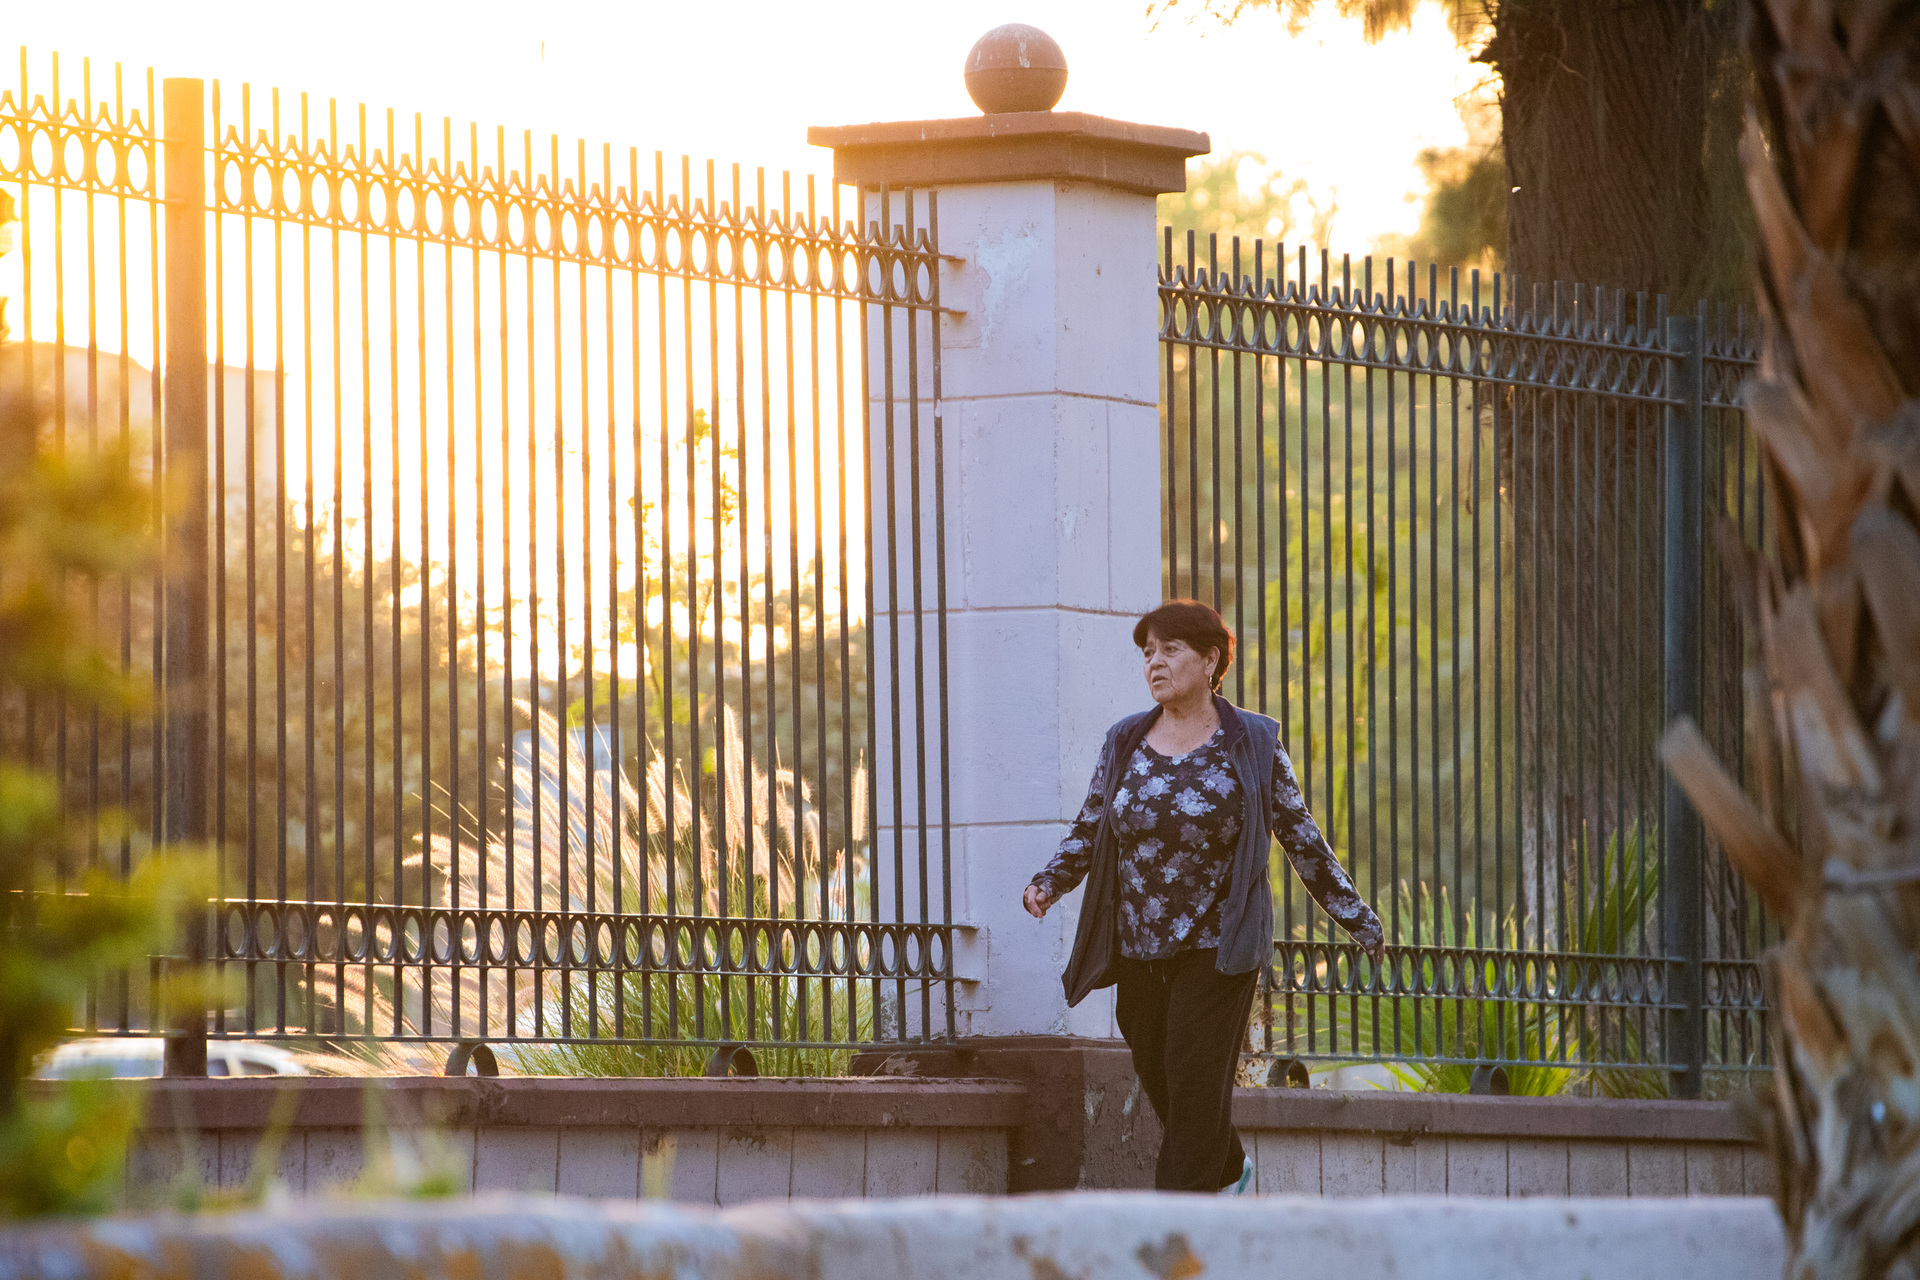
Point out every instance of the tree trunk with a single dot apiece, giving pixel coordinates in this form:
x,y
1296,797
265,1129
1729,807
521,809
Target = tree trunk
x,y
1617,121
1835,607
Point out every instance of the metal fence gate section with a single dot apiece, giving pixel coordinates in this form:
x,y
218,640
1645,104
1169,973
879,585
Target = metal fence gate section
x,y
536,625
1434,514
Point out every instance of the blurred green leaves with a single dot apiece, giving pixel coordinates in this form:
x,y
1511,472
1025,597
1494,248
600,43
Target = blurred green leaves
x,y
66,920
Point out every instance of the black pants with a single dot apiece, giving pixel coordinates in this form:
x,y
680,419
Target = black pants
x,y
1186,1023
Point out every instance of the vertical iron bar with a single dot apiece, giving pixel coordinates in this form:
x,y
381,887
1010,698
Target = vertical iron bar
x,y
1392,929
1213,416
451,576
795,646
940,602
1458,922
1369,311
1351,321
1260,317
1193,433
695,756
642,748
123,982
831,234
1542,835
1284,318
1264,1001
823,803
310,708
278,229
870,654
715,483
670,832
744,738
769,663
919,611
1238,532
396,685
1680,824
536,730
1169,308
339,569
90,1010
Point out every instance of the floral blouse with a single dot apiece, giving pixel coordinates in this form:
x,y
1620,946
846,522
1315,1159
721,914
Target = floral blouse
x,y
1177,819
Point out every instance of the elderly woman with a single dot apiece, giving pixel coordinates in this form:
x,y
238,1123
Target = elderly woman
x,y
1186,801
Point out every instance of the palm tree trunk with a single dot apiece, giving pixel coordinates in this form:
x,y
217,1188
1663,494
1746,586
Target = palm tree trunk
x,y
1832,156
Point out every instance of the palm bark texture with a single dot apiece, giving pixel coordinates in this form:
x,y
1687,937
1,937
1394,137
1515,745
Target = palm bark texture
x,y
1832,839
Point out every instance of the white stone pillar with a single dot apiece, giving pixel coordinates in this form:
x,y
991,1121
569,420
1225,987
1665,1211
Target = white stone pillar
x,y
1052,500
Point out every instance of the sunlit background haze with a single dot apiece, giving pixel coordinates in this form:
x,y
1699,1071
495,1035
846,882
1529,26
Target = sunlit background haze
x,y
740,82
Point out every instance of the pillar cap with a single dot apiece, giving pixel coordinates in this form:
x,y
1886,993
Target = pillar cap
x,y
1017,146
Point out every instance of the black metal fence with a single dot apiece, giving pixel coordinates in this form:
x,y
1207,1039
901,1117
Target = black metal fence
x,y
1463,532
517,649
529,654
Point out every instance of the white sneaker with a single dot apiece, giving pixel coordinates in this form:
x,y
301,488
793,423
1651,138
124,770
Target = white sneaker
x,y
1245,1184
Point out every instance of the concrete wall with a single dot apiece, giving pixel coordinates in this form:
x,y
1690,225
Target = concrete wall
x,y
1378,1143
1070,1117
695,1141
1087,1126
1090,1237
1351,1164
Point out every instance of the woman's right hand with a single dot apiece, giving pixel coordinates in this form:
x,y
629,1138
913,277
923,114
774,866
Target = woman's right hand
x,y
1036,901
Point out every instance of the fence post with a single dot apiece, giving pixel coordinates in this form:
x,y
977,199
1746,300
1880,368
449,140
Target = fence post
x,y
184,600
1681,832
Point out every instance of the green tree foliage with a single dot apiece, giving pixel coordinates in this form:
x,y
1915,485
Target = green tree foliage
x,y
1239,194
1380,17
1617,127
1464,223
68,917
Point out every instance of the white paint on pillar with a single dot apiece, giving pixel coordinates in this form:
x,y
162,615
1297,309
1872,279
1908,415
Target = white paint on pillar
x,y
1052,522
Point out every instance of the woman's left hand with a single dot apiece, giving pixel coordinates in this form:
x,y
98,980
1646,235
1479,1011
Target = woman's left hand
x,y
1373,943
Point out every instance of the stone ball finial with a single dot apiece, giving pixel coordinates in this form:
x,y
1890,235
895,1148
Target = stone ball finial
x,y
1016,68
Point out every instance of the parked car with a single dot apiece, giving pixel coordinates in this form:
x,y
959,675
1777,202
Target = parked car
x,y
115,1057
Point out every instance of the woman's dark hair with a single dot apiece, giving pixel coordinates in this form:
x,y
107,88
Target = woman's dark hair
x,y
1193,624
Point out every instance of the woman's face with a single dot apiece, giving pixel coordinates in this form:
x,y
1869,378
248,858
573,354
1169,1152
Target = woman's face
x,y
1175,670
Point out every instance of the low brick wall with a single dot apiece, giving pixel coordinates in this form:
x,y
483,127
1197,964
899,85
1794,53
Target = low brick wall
x,y
1088,1236
697,1141
1383,1143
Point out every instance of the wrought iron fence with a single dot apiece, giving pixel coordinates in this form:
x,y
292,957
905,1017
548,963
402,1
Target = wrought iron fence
x,y
1457,529
517,648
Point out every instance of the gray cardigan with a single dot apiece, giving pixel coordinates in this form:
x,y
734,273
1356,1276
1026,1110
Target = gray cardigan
x,y
1246,913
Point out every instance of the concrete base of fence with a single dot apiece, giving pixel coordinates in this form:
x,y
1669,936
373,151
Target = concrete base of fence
x,y
1065,1115
1373,1143
1088,1127
698,1141
1097,1236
